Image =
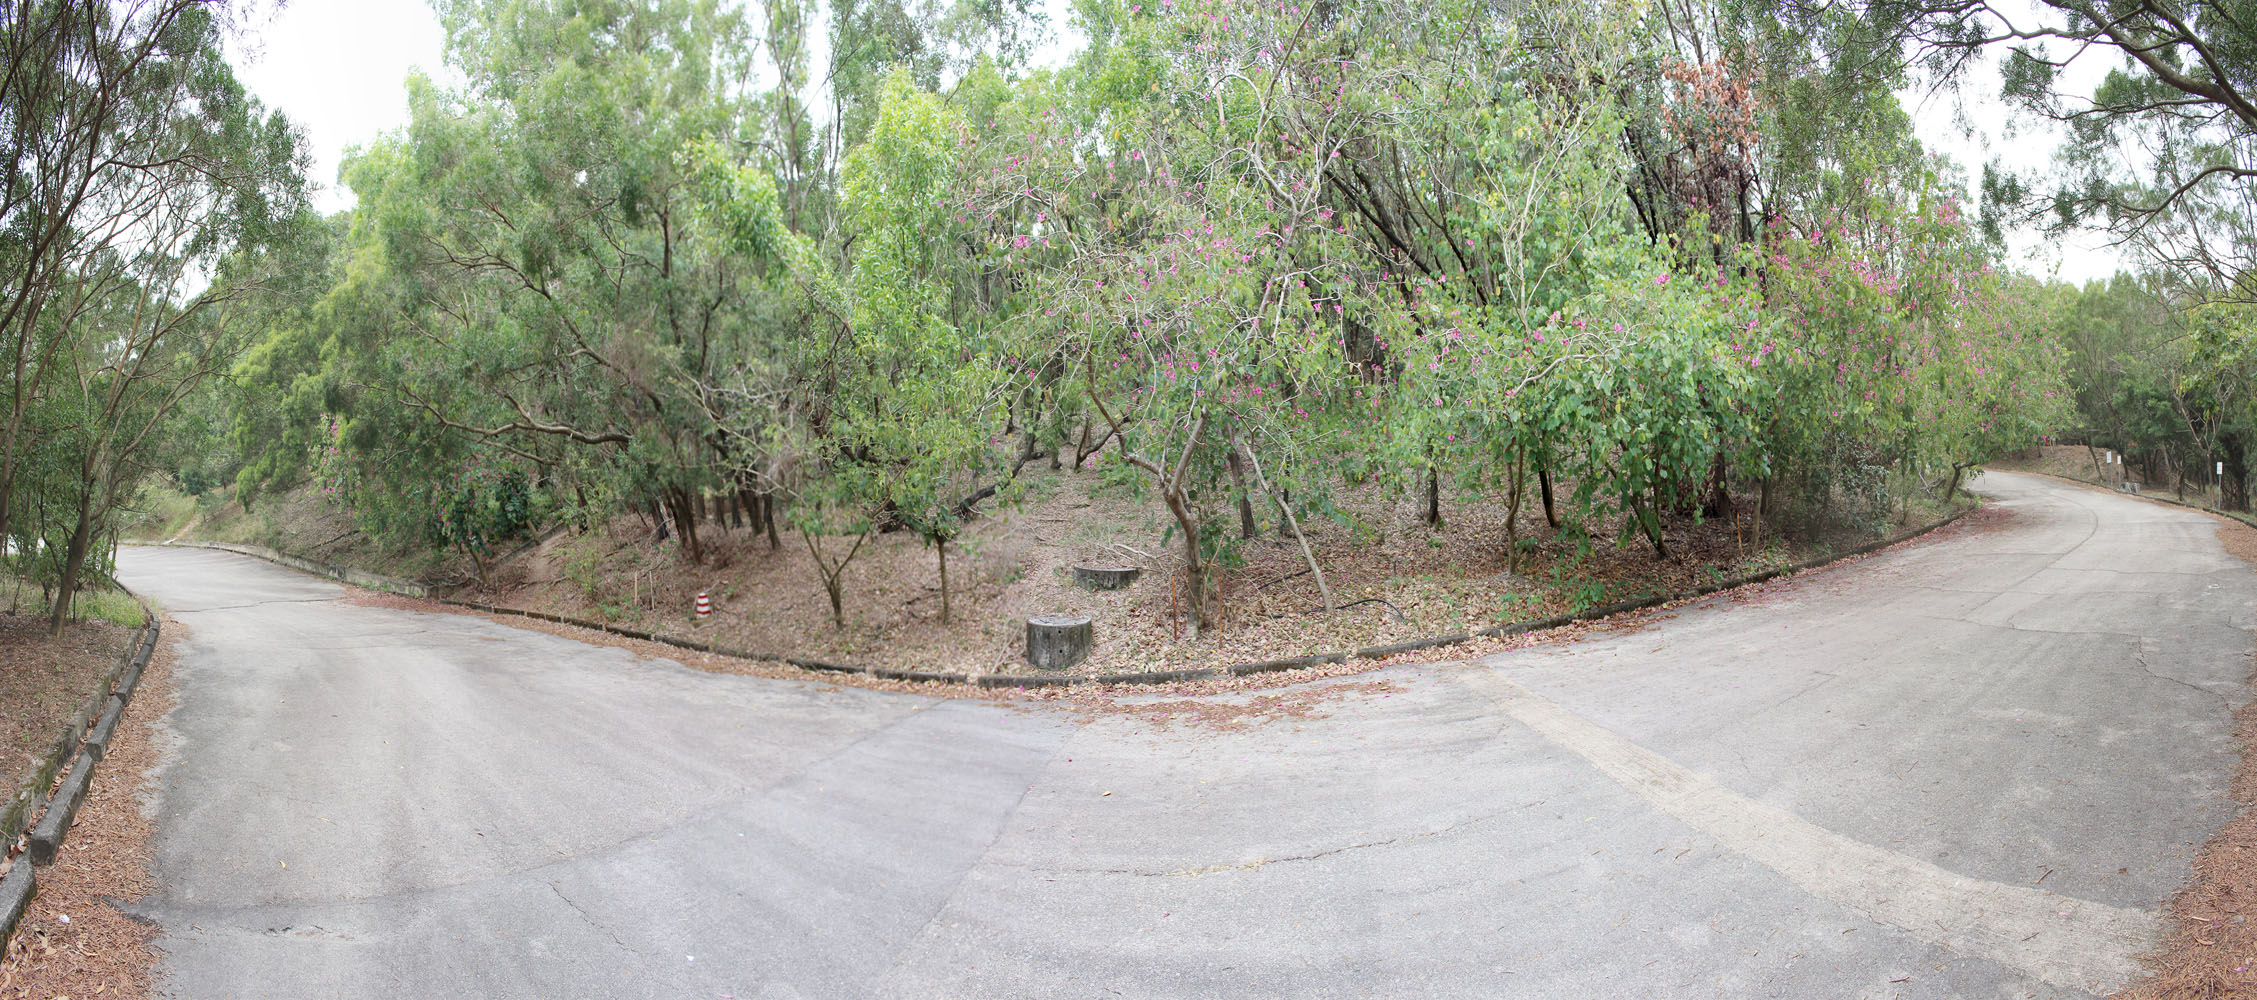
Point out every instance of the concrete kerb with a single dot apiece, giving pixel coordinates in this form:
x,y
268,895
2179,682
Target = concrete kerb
x,y
333,571
55,823
2157,497
1156,676
16,890
108,703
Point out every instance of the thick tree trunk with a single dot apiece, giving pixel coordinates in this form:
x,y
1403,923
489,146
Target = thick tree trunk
x,y
1720,495
1433,516
74,561
685,519
2233,490
1544,480
1194,567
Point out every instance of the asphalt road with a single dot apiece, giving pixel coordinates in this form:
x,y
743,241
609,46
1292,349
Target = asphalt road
x,y
1974,767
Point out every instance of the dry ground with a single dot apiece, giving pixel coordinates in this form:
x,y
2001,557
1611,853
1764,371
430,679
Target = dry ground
x,y
1395,578
43,681
74,941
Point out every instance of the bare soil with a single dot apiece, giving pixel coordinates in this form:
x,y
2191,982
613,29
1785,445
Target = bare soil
x,y
1222,703
75,941
1393,578
43,680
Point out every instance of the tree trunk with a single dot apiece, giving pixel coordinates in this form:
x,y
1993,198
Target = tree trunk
x,y
1081,454
1194,567
1433,516
1513,496
1720,494
2233,489
74,561
1246,525
1652,523
685,518
943,550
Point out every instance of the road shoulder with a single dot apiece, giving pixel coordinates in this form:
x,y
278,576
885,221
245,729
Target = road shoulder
x,y
77,940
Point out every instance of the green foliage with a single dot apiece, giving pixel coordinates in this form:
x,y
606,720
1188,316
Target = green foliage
x,y
1263,254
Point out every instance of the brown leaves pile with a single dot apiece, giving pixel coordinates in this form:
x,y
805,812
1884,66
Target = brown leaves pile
x,y
75,941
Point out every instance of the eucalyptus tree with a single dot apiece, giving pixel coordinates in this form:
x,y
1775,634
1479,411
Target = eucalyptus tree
x,y
134,165
549,296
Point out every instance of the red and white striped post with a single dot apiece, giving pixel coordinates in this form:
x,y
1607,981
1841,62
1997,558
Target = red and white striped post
x,y
704,606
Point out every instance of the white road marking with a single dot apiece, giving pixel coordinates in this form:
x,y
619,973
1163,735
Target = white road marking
x,y
2059,939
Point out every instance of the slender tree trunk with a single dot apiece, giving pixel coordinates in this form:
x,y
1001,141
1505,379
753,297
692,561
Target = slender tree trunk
x,y
942,548
1246,526
1649,521
1285,513
1513,496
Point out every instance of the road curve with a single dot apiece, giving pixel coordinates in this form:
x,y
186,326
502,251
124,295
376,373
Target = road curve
x,y
1972,767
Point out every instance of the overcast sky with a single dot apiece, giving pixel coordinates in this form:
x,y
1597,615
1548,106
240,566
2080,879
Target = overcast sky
x,y
339,67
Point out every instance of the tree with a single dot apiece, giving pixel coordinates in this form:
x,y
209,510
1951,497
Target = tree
x,y
137,169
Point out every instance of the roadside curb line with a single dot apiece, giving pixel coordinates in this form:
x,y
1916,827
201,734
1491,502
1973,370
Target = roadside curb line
x,y
334,571
1023,681
93,725
2157,497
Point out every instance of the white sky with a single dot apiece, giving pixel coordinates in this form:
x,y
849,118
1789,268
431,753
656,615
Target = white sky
x,y
338,68
1972,127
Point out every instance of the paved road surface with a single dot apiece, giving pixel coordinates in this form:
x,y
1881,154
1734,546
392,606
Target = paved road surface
x,y
1973,768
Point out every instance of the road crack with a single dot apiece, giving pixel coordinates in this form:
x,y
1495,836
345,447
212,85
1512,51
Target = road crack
x,y
593,922
1201,870
2140,659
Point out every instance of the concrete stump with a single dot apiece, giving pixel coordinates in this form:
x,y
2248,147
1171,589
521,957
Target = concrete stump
x,y
1055,642
1105,577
